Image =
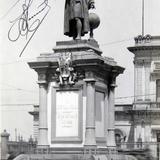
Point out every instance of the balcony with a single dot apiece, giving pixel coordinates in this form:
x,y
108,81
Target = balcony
x,y
153,148
155,105
146,106
136,145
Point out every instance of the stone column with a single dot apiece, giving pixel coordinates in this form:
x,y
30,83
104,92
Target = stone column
x,y
4,145
111,117
106,116
147,66
43,127
90,139
138,77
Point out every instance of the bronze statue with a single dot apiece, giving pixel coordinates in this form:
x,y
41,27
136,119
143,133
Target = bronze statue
x,y
76,17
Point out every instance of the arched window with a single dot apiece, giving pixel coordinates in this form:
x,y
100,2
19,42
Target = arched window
x,y
120,137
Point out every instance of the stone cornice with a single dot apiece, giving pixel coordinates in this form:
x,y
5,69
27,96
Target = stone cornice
x,y
39,65
42,70
34,113
156,74
142,62
145,42
143,48
82,61
46,70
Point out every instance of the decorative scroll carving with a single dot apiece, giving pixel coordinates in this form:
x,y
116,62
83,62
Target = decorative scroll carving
x,y
143,39
65,71
42,77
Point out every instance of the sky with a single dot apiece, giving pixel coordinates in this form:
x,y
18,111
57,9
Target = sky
x,y
120,23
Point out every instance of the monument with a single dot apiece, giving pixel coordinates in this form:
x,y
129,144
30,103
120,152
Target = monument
x,y
76,17
76,92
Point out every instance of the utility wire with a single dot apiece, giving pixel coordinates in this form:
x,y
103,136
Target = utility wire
x,y
115,42
19,89
24,104
9,10
32,91
18,61
105,44
115,98
135,96
13,110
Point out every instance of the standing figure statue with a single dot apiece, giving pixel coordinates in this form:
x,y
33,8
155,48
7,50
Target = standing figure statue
x,y
76,17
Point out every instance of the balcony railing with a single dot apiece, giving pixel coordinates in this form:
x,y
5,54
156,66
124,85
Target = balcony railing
x,y
20,147
17,148
146,105
154,147
155,105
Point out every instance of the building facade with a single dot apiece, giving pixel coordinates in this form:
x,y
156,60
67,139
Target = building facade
x,y
138,124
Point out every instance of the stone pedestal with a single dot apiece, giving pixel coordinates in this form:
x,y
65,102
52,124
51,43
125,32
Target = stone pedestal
x,y
76,68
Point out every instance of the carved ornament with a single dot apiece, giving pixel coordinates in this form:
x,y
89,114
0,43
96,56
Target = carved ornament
x,y
65,72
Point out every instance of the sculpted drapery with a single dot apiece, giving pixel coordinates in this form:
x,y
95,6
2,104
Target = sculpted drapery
x,y
76,9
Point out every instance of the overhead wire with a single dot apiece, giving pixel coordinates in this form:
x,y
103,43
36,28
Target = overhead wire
x,y
8,110
24,104
104,44
9,10
126,97
17,61
17,88
20,90
115,42
135,96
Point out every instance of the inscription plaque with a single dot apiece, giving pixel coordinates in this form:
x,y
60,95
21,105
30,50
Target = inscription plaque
x,y
67,114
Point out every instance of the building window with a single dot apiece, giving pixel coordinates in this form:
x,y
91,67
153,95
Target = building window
x,y
158,90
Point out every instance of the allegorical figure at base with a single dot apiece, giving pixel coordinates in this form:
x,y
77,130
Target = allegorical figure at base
x,y
76,17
